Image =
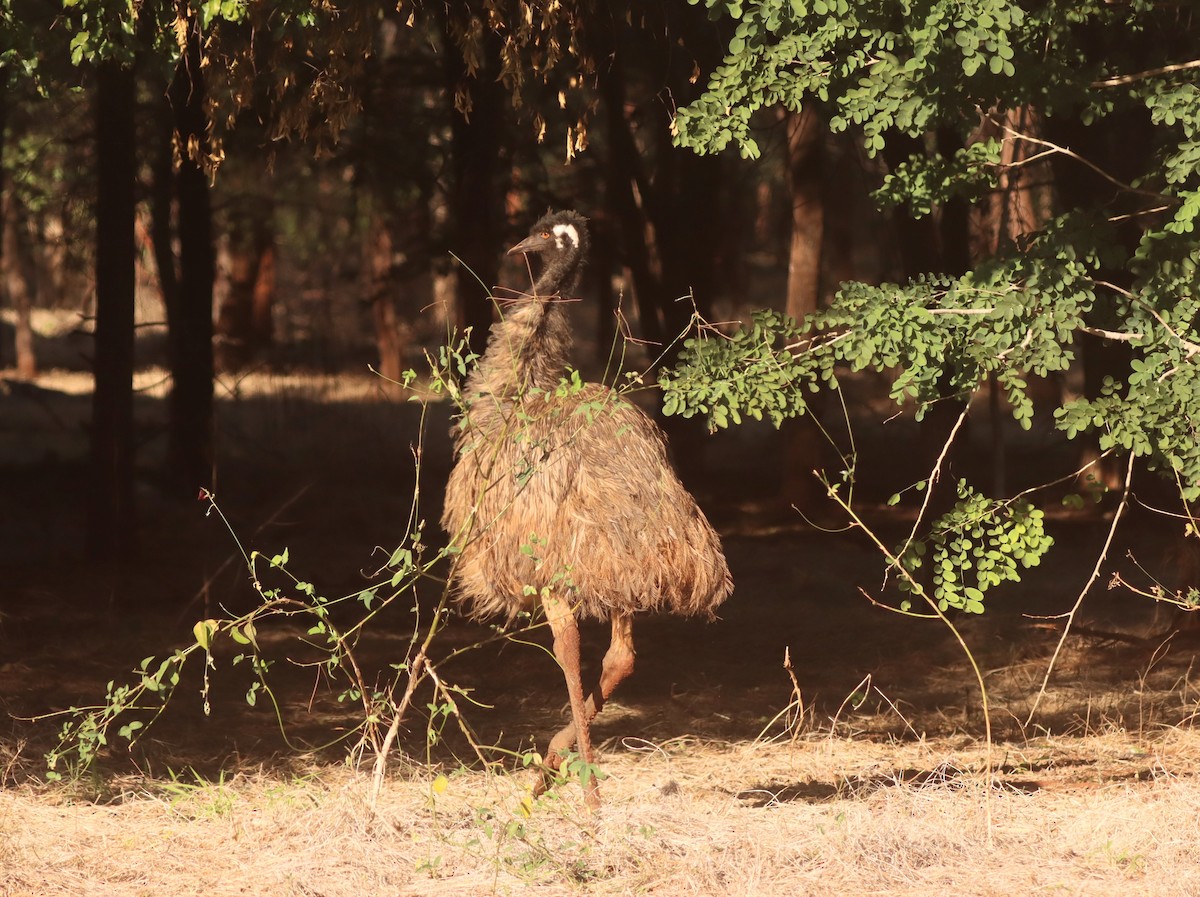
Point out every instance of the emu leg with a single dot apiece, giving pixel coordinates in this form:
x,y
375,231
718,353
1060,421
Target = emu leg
x,y
618,665
566,651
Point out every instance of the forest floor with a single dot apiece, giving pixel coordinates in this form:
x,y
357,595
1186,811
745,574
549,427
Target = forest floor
x,y
861,769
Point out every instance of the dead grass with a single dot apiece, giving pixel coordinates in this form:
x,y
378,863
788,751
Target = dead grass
x,y
1097,815
892,803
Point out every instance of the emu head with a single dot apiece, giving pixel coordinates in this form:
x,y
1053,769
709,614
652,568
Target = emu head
x,y
561,240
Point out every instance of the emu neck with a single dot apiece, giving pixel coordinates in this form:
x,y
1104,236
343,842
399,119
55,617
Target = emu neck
x,y
528,348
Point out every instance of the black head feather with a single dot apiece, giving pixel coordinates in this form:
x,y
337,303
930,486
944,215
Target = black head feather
x,y
561,240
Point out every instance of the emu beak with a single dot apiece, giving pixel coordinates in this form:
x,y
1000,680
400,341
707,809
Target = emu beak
x,y
534,243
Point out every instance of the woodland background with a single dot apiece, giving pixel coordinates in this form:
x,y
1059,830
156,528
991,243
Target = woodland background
x,y
939,252
230,228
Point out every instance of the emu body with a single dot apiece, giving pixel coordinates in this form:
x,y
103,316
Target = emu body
x,y
562,494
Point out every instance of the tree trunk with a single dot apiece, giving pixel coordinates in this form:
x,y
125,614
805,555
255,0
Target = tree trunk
x,y
806,174
1122,148
937,243
190,407
111,533
162,200
244,328
626,185
18,272
4,192
262,314
666,227
20,281
1019,205
476,138
392,332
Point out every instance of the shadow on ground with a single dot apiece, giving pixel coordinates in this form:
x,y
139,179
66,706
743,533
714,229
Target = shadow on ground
x,y
332,480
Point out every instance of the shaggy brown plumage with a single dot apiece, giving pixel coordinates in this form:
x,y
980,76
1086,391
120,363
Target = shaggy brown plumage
x,y
563,489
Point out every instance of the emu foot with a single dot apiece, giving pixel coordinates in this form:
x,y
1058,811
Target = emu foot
x,y
559,767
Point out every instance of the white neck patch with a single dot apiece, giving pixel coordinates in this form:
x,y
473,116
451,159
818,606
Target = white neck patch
x,y
566,233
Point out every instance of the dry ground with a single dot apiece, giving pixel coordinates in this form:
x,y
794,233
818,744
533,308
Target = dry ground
x,y
722,777
1099,815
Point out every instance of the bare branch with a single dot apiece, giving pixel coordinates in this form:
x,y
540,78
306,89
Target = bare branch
x,y
1087,586
1111,334
1191,347
804,345
1114,219
1055,148
1148,73
934,475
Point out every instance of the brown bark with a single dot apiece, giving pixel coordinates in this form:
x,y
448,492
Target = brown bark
x,y
4,191
190,406
628,186
667,227
20,283
17,268
161,207
1121,147
392,332
111,531
262,314
476,139
937,243
244,320
1020,204
806,174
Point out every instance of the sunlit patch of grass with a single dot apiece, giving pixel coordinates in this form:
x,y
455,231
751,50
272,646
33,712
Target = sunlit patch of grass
x,y
1095,815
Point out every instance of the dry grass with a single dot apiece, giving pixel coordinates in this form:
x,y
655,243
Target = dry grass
x,y
1097,815
1110,810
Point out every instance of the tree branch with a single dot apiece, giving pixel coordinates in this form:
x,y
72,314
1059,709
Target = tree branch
x,y
1111,334
1118,80
1192,348
1055,148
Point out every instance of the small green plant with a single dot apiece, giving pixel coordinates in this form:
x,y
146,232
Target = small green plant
x,y
194,797
979,543
332,628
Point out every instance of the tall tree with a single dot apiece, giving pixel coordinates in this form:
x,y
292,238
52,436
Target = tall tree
x,y
806,172
18,272
4,190
111,531
20,279
476,142
190,321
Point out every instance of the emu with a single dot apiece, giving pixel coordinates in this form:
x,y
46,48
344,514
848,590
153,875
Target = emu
x,y
562,494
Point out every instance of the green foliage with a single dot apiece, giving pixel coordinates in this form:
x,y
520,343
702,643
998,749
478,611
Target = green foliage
x,y
752,372
131,708
945,336
936,80
977,544
905,67
912,66
925,182
880,65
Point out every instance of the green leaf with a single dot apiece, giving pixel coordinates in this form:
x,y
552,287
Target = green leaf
x,y
204,632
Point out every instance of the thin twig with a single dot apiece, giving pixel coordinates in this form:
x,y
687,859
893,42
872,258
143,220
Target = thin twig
x,y
918,589
1111,334
934,475
415,676
1071,154
1192,348
1070,616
